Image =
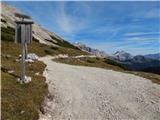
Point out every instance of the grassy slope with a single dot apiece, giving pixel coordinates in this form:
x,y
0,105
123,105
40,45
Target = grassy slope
x,y
92,62
22,102
108,64
40,49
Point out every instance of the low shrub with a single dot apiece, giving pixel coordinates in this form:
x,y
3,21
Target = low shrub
x,y
7,37
112,62
90,61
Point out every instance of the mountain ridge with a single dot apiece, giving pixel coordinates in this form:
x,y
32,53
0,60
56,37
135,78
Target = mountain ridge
x,y
90,50
153,56
41,34
119,55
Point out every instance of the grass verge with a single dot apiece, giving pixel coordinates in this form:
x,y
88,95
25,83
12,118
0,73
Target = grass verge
x,y
21,102
108,64
92,62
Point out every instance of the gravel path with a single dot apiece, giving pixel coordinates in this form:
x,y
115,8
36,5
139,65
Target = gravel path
x,y
86,93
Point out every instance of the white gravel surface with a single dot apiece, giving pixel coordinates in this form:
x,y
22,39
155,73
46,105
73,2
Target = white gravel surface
x,y
87,93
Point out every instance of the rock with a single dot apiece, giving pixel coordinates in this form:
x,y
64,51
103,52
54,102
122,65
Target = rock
x,y
19,80
11,71
27,80
42,110
17,60
22,111
29,60
37,73
32,56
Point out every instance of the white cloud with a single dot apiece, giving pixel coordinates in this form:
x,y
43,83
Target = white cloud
x,y
143,40
71,24
136,20
109,29
153,13
140,33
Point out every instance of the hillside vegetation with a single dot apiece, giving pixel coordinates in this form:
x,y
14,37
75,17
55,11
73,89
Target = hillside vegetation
x,y
92,62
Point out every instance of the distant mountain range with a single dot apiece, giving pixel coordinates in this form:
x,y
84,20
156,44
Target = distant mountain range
x,y
153,56
93,51
118,55
124,56
147,63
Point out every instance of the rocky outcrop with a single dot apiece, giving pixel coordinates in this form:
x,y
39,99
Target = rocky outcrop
x,y
8,19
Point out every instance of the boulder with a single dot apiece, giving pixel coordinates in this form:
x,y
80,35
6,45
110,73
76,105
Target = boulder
x,y
27,80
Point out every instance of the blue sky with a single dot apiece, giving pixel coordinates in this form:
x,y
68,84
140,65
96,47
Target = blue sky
x,y
109,26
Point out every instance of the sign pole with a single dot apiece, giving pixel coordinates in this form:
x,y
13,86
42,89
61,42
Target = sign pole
x,y
23,63
26,50
23,36
23,54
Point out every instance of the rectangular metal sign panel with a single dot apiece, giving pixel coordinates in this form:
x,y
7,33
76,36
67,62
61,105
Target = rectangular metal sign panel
x,y
18,34
23,33
28,33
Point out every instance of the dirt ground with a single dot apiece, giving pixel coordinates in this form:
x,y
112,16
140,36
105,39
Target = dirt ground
x,y
87,93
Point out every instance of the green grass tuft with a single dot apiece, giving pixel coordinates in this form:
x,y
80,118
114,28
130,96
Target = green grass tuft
x,y
7,34
112,62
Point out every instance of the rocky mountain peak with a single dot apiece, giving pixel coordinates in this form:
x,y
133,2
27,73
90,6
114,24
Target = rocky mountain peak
x,y
122,56
90,50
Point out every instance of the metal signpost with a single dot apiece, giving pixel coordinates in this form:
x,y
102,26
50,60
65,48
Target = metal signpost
x,y
23,36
